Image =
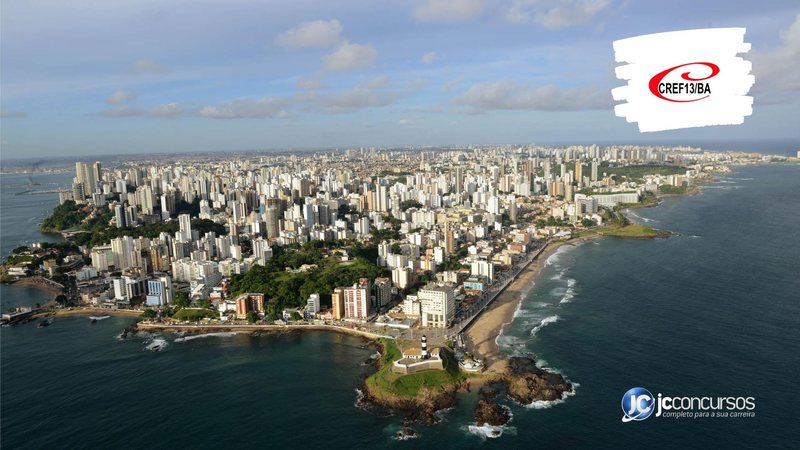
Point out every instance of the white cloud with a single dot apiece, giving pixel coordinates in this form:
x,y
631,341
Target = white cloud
x,y
247,108
779,69
166,110
120,96
146,66
429,58
511,95
378,82
404,122
449,10
355,99
555,14
350,56
8,114
313,82
314,34
122,111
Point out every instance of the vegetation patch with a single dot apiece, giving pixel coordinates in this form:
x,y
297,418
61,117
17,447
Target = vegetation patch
x,y
386,382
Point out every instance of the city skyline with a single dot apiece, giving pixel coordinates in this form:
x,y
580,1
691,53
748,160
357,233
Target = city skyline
x,y
135,78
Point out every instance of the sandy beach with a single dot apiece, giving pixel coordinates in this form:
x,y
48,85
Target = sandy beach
x,y
480,336
38,283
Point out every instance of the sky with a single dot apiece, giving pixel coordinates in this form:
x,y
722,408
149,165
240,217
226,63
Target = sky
x,y
82,77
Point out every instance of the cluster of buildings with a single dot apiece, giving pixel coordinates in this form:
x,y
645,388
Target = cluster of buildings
x,y
445,221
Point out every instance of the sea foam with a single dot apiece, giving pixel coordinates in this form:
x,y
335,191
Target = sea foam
x,y
544,404
205,335
546,321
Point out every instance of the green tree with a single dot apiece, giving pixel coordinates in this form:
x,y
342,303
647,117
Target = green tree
x,y
62,300
252,317
148,313
182,300
204,303
296,317
406,204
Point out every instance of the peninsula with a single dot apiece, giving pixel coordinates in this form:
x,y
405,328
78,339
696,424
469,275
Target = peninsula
x,y
387,244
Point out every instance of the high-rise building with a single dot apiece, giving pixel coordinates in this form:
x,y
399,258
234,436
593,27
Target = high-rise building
x,y
337,303
437,302
119,216
357,300
272,218
97,173
449,239
578,171
594,169
167,205
185,227
383,292
78,193
159,291
312,306
246,303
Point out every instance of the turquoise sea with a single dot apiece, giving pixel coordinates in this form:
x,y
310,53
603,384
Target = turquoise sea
x,y
712,311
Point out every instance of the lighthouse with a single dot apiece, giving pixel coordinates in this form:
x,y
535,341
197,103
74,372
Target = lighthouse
x,y
425,347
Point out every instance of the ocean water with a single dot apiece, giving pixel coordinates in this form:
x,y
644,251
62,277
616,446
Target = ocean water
x,y
713,311
20,216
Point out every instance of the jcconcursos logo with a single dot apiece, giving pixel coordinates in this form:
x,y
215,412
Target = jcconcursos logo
x,y
637,404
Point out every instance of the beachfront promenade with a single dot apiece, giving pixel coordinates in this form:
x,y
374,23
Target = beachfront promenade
x,y
501,283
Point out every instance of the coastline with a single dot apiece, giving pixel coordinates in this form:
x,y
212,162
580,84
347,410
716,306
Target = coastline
x,y
241,328
70,312
481,336
36,282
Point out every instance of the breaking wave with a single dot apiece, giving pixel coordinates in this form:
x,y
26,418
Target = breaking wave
x,y
546,321
156,344
544,404
205,335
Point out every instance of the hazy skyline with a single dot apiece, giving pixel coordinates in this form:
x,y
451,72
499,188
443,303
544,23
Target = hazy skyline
x,y
140,76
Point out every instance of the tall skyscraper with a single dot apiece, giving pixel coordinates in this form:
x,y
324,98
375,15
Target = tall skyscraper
x,y
337,303
449,239
97,173
119,215
357,300
272,217
185,227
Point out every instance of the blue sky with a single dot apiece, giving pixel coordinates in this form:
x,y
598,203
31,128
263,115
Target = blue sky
x,y
92,77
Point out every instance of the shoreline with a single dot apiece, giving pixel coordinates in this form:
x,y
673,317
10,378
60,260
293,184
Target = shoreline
x,y
481,335
242,328
71,312
36,283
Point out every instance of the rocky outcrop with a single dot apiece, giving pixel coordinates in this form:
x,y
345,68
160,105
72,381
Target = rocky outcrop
x,y
421,409
526,383
491,413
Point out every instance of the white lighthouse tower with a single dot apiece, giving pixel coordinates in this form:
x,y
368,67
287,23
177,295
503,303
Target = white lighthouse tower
x,y
425,347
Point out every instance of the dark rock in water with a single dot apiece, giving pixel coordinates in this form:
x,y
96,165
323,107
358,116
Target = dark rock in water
x,y
491,413
489,391
422,409
406,433
527,383
131,330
